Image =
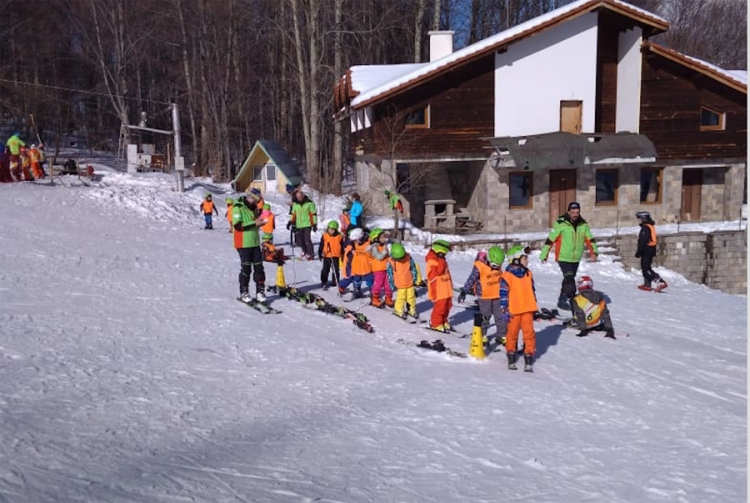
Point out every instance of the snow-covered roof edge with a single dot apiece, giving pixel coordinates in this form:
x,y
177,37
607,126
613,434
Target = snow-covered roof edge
x,y
367,77
505,36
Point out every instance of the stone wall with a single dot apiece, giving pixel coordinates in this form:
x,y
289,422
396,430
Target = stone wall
x,y
717,259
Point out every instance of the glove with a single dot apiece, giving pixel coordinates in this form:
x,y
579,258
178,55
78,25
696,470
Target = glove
x,y
505,316
462,297
637,255
288,225
315,227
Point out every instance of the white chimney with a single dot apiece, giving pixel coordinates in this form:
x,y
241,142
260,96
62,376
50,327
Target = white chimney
x,y
441,44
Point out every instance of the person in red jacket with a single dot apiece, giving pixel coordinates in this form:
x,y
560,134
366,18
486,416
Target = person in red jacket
x,y
518,303
439,285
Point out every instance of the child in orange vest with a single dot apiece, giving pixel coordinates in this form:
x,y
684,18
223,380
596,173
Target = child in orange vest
x,y
401,271
356,267
518,303
344,221
484,282
379,254
330,251
439,285
228,213
270,252
26,164
35,157
270,220
207,208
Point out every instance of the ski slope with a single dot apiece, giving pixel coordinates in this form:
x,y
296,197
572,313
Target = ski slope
x,y
129,373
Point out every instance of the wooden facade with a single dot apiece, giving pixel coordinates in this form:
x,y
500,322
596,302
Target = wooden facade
x,y
671,99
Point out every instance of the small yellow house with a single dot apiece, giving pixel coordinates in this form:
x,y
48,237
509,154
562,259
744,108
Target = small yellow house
x,y
269,168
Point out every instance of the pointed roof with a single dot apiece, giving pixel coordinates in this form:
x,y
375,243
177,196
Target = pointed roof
x,y
275,153
736,79
426,71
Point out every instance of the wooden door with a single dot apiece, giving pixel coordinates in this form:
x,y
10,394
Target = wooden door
x,y
571,116
562,190
692,182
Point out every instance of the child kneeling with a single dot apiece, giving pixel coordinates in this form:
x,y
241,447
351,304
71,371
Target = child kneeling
x,y
590,311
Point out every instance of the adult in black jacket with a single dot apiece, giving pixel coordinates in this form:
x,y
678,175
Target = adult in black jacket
x,y
646,252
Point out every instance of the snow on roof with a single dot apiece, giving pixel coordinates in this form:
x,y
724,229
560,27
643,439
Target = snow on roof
x,y
367,77
426,68
740,75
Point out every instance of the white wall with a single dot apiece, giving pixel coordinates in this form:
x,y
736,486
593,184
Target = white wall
x,y
627,117
535,74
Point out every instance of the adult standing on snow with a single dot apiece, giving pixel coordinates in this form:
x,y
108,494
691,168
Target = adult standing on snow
x,y
14,144
647,251
304,217
569,235
355,213
247,242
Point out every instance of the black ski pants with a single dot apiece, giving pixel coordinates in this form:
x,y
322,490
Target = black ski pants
x,y
251,261
304,240
649,274
328,264
569,270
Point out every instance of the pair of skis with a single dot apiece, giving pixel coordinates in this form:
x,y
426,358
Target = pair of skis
x,y
261,307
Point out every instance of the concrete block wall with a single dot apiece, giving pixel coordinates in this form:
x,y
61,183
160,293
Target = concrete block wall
x,y
717,259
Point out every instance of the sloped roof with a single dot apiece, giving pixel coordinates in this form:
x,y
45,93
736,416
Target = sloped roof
x,y
483,47
736,79
276,154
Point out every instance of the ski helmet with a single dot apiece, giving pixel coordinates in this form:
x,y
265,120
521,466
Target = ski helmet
x,y
229,200
356,234
441,246
397,251
333,224
585,283
267,236
255,191
481,256
375,233
643,215
266,206
515,253
208,195
496,256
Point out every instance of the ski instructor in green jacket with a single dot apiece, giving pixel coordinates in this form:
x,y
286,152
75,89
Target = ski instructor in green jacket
x,y
569,235
245,220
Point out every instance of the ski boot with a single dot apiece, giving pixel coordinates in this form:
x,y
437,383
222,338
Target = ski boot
x,y
528,363
661,286
511,361
246,297
358,293
563,303
645,288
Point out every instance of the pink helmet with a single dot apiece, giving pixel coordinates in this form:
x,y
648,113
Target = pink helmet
x,y
482,256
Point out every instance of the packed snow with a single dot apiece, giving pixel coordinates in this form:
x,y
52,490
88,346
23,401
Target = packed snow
x,y
129,373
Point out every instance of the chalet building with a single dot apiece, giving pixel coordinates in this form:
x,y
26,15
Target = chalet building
x,y
577,104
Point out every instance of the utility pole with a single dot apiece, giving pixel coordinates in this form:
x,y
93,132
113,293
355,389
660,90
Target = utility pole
x,y
179,161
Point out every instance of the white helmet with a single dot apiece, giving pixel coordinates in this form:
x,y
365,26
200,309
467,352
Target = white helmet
x,y
356,234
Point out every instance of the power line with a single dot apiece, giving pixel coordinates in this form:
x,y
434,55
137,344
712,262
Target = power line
x,y
96,93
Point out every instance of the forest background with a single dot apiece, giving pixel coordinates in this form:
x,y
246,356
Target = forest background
x,y
243,70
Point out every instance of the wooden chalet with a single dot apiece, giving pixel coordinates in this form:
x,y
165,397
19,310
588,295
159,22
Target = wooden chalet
x,y
577,104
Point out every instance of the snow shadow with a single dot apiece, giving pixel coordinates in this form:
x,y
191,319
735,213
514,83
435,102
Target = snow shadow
x,y
546,338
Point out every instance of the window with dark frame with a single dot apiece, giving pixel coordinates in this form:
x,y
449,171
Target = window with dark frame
x,y
711,120
419,118
651,185
521,190
606,186
403,178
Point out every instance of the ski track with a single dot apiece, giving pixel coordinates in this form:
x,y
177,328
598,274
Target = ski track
x,y
128,373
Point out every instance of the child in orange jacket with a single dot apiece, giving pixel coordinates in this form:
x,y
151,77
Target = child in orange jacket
x,y
228,213
330,251
518,304
356,264
379,254
439,285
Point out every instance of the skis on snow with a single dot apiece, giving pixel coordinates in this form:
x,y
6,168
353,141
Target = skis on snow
x,y
315,302
261,307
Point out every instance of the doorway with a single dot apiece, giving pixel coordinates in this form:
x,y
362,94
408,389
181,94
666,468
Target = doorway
x,y
562,191
571,116
692,182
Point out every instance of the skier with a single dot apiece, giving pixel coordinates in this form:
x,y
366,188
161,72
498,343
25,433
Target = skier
x,y
518,304
439,285
14,145
379,254
569,235
247,242
394,201
305,219
330,251
268,217
484,282
646,252
207,207
356,267
355,212
401,271
228,212
26,164
590,311
255,191
35,156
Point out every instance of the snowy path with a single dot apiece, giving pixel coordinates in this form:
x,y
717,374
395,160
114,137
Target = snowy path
x,y
129,374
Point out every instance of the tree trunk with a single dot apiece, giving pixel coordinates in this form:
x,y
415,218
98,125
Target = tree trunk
x,y
303,87
418,21
338,129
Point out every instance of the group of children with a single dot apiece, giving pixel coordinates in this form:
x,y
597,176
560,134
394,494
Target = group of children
x,y
19,163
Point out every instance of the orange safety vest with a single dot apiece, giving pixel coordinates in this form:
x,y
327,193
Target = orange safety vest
x,y
489,280
345,222
229,214
35,155
401,268
360,261
521,297
379,265
439,287
270,225
208,207
651,228
332,245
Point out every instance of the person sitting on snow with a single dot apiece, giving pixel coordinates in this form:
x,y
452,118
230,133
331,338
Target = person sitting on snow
x,y
590,311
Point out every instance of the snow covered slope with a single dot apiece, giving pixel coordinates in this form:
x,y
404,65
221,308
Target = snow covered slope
x,y
128,373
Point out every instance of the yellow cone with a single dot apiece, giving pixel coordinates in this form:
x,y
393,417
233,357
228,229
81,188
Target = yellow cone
x,y
280,281
476,348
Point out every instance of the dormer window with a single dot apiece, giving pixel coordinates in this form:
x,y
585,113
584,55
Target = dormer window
x,y
711,120
418,118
